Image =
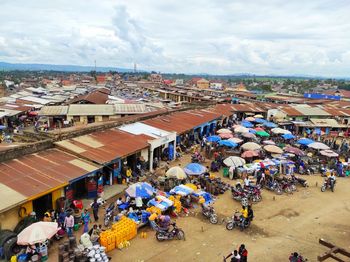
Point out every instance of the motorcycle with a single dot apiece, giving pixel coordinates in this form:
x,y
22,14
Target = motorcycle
x,y
237,221
238,193
273,185
109,215
254,193
296,257
197,159
176,232
299,180
328,183
210,213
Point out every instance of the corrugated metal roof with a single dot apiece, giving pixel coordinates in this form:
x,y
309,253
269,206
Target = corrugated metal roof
x,y
37,100
90,110
105,146
182,122
336,111
94,97
290,111
130,108
53,110
41,172
311,111
140,128
9,197
326,123
247,108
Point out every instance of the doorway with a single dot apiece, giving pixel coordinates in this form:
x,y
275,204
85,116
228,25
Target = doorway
x,y
42,205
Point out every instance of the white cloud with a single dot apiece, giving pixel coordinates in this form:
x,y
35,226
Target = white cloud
x,y
221,37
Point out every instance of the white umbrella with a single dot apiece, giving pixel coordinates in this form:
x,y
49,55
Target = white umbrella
x,y
176,172
250,118
37,233
273,149
251,146
329,153
241,129
318,145
236,140
234,161
269,142
278,130
224,131
259,116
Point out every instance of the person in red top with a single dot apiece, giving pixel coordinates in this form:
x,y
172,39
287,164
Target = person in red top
x,y
243,252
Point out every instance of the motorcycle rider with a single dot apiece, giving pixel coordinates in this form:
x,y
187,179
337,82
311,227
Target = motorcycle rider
x,y
244,216
250,213
164,223
331,179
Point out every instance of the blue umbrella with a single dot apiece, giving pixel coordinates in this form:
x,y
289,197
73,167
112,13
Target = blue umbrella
x,y
140,189
213,138
270,124
2,127
305,141
227,143
247,124
194,169
288,136
253,131
181,190
260,120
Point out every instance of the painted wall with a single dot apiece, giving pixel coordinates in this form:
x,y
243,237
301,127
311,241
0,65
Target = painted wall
x,y
145,154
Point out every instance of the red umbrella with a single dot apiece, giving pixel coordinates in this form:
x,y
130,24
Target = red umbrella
x,y
259,129
294,150
249,154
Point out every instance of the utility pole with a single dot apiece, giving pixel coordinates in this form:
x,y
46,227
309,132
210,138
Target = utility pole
x,y
95,65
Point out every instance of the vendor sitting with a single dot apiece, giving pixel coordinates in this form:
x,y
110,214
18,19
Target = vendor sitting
x,y
94,233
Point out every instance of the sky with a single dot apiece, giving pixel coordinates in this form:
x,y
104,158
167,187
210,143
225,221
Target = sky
x,y
278,37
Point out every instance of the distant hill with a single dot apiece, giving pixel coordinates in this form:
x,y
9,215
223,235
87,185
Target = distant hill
x,y
63,68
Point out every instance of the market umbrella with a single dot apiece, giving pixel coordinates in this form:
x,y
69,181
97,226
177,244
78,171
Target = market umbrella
x,y
262,134
194,169
213,138
294,150
305,141
251,146
225,135
260,120
234,161
227,143
182,190
241,129
250,119
259,129
247,124
224,130
270,124
140,189
236,140
288,136
37,233
329,153
278,130
259,116
269,142
176,172
318,145
249,154
273,149
249,135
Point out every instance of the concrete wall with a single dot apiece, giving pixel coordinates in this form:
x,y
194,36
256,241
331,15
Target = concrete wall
x,y
9,219
30,148
144,154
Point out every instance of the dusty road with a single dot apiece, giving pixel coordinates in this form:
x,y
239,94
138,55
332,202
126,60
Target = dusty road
x,y
281,226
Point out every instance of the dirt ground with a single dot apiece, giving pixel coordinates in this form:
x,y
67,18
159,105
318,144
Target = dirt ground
x,y
282,224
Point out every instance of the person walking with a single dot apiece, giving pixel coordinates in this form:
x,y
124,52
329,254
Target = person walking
x,y
95,206
85,217
69,224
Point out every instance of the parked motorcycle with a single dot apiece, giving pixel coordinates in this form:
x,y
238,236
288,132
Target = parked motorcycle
x,y
209,213
172,234
109,215
237,221
299,180
273,185
254,193
197,158
328,183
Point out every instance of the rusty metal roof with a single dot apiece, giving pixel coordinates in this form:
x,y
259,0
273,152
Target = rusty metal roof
x,y
248,108
37,173
290,111
182,122
223,109
105,146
